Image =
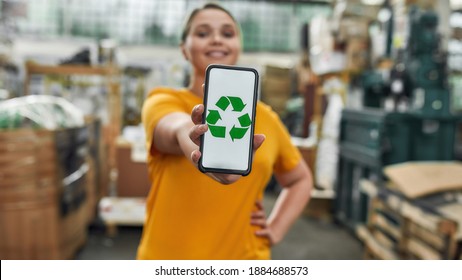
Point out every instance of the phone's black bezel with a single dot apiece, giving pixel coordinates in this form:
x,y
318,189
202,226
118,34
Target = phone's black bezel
x,y
252,127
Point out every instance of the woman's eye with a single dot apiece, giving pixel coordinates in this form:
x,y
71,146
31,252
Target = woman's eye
x,y
202,34
228,34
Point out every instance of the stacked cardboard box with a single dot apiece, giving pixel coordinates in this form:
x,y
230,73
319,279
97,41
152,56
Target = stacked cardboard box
x,y
276,87
43,193
132,179
354,33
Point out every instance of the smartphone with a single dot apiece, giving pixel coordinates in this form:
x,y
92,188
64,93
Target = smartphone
x,y
230,99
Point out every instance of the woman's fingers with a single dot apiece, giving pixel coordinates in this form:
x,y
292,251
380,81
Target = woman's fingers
x,y
225,179
198,129
195,156
258,140
196,114
196,132
259,205
263,233
266,233
258,217
258,220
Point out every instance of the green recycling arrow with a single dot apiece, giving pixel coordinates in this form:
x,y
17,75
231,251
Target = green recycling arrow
x,y
218,131
244,120
213,117
237,103
223,103
237,132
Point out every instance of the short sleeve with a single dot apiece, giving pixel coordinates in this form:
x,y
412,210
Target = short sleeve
x,y
288,154
155,107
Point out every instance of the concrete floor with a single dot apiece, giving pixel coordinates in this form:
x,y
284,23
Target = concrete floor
x,y
308,239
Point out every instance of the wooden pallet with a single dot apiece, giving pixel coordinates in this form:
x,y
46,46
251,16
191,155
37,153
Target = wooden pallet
x,y
399,228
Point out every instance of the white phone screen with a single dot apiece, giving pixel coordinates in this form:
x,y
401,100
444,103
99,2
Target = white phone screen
x,y
230,99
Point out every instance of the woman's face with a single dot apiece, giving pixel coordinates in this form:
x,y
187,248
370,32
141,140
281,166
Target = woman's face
x,y
212,38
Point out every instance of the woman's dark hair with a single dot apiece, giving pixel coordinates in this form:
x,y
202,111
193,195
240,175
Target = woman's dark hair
x,y
187,25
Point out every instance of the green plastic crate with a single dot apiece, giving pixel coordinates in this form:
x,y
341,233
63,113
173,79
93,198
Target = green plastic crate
x,y
371,139
375,137
434,138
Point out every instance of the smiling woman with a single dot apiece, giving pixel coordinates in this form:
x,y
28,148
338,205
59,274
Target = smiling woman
x,y
211,35
192,215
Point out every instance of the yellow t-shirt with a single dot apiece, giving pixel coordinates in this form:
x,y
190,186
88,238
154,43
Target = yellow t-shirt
x,y
191,216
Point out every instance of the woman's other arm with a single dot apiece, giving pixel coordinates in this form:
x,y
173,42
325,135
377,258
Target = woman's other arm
x,y
297,185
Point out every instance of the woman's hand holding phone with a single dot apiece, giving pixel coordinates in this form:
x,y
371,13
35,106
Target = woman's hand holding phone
x,y
195,134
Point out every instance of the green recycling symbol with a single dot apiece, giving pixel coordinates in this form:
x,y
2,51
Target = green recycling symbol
x,y
214,116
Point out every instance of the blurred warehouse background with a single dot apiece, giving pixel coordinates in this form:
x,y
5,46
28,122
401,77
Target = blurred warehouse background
x,y
370,90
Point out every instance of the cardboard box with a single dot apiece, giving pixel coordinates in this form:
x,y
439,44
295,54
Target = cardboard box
x,y
353,27
274,86
43,212
277,103
423,4
277,71
309,155
133,179
33,228
275,92
27,159
417,179
357,52
358,9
